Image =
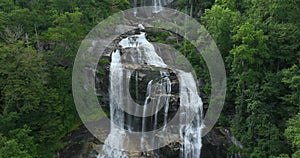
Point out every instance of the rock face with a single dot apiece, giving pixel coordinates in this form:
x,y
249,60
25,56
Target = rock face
x,y
217,142
81,143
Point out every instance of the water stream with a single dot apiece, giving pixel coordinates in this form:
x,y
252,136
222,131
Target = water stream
x,y
157,4
190,134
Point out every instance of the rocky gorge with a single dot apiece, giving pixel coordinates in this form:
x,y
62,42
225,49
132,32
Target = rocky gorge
x,y
139,56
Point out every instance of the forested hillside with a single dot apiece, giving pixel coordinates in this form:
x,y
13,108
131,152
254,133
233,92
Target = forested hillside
x,y
259,41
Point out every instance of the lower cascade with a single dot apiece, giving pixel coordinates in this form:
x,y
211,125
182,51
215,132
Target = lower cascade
x,y
158,91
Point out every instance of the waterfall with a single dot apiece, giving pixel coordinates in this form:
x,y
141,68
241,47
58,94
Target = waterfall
x,y
158,4
190,134
168,88
149,87
116,135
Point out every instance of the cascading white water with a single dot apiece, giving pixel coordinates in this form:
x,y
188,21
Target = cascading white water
x,y
157,4
116,135
149,87
190,134
168,88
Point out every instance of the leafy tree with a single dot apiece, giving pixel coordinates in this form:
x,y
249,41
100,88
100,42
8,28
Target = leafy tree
x,y
26,99
221,23
293,134
18,144
258,39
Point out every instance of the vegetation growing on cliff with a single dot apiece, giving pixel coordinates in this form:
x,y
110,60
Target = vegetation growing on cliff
x,y
259,42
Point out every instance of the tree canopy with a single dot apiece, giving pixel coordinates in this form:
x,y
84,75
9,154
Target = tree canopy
x,y
259,42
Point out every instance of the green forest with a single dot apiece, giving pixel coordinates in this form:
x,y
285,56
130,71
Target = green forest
x,y
259,42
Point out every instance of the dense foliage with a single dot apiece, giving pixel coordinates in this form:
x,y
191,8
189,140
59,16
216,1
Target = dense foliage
x,y
38,43
259,41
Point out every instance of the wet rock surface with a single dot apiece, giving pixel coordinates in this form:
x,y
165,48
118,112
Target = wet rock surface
x,y
82,144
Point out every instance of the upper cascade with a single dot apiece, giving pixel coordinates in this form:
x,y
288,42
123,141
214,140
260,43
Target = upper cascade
x,y
146,51
157,4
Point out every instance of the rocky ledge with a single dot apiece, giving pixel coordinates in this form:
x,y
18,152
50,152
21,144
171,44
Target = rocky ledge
x,y
81,143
